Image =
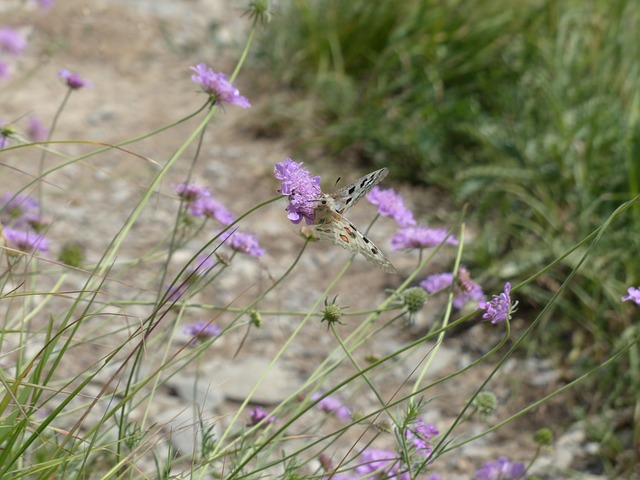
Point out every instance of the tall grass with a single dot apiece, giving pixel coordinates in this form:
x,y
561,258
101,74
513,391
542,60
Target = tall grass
x,y
526,111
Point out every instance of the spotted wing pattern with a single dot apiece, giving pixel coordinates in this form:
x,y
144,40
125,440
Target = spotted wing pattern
x,y
345,197
332,226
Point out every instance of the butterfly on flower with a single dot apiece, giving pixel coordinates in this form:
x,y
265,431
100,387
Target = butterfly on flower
x,y
324,212
333,226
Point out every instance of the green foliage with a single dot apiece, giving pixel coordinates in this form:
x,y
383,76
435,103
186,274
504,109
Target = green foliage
x,y
528,111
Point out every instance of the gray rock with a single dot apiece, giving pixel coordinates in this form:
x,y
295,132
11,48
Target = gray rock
x,y
236,379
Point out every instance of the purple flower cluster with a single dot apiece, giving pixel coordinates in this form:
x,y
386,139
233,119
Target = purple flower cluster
x,y
26,240
217,86
258,414
499,308
410,235
241,242
302,189
419,435
36,131
202,266
21,222
465,290
385,464
201,331
421,237
332,405
202,204
633,295
174,293
12,43
73,80
501,469
391,204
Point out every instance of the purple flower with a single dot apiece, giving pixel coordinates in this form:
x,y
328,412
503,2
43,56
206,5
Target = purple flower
x,y
332,405
191,192
4,70
243,243
421,237
436,282
174,293
385,463
465,289
501,469
26,240
11,41
36,131
73,80
499,308
203,264
18,210
201,331
391,204
217,85
302,189
258,414
211,208
633,294
419,434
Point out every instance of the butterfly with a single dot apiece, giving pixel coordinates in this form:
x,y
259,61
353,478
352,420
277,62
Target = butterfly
x,y
331,225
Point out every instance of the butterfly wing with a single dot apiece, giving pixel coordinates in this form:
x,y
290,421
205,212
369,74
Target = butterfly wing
x,y
345,197
336,229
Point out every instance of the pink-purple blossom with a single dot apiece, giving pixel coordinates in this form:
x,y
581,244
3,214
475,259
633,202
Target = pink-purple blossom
x,y
202,265
12,42
73,80
191,192
419,434
36,131
391,204
175,292
421,237
27,240
211,208
499,308
217,86
384,463
501,469
302,189
243,242
18,210
201,331
258,414
465,290
201,203
633,295
332,405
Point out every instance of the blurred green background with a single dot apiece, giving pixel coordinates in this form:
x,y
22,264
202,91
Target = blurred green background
x,y
527,112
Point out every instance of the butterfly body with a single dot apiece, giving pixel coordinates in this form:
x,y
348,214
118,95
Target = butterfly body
x,y
331,225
